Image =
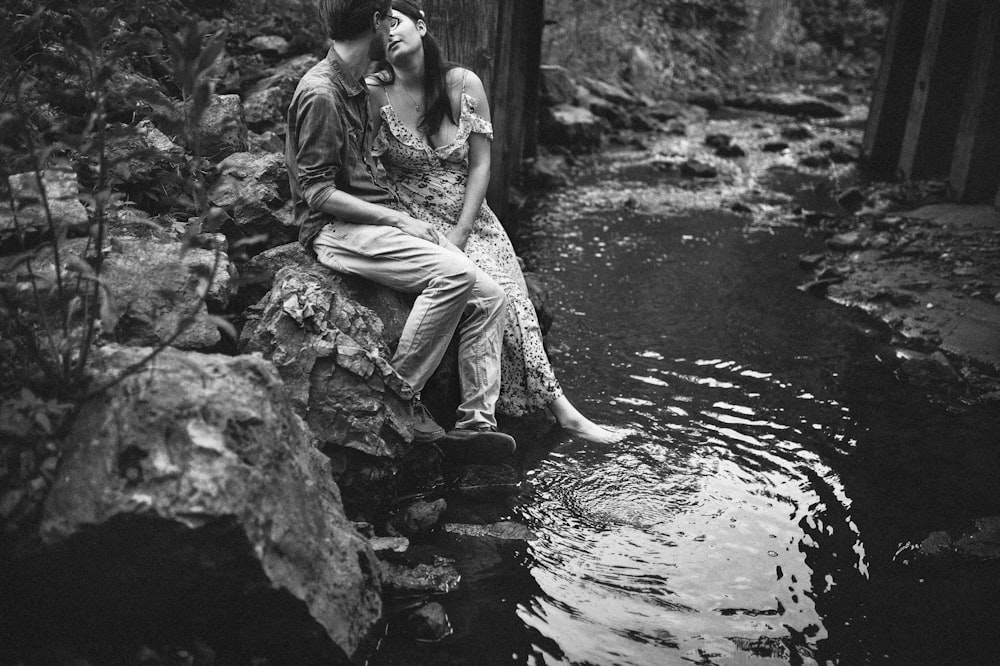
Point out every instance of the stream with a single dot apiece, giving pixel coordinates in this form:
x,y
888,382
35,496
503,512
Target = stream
x,y
766,508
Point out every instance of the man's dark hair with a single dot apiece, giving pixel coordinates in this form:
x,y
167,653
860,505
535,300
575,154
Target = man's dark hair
x,y
347,19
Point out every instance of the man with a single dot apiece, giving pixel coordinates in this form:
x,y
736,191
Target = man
x,y
348,218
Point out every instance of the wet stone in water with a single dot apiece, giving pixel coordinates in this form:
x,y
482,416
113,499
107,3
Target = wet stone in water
x,y
486,481
439,578
419,517
429,623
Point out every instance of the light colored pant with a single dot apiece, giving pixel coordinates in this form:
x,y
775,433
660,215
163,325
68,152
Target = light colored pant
x,y
452,294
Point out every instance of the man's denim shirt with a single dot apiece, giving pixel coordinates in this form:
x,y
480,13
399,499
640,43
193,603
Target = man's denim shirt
x,y
328,146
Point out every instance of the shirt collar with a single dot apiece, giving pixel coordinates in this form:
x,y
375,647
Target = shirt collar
x,y
351,87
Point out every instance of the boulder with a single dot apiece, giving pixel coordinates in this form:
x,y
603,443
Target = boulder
x,y
556,86
267,100
153,289
613,114
613,93
639,69
190,496
788,104
571,127
269,46
329,336
257,275
138,156
253,188
131,94
264,108
222,130
61,199
545,172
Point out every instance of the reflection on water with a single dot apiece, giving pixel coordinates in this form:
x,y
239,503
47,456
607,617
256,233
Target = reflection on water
x,y
754,514
696,531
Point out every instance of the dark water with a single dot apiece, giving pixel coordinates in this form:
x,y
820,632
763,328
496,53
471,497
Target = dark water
x,y
766,507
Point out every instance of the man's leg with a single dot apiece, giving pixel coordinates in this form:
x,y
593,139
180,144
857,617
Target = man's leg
x,y
443,278
480,339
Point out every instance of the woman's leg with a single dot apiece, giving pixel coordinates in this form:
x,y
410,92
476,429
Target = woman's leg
x,y
578,425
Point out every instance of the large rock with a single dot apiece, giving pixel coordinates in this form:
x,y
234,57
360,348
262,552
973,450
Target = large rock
x,y
154,291
613,93
137,157
571,127
789,104
191,498
266,102
556,86
58,200
330,336
253,188
222,130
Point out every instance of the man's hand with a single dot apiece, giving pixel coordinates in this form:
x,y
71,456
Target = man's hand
x,y
414,227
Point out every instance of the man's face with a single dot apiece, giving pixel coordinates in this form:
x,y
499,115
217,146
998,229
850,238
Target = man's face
x,y
377,49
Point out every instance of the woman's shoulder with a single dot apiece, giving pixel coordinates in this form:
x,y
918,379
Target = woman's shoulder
x,y
462,81
376,87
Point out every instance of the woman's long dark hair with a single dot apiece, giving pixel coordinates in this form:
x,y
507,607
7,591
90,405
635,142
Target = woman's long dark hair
x,y
435,74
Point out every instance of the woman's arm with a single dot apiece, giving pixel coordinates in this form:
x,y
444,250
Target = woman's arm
x,y
479,159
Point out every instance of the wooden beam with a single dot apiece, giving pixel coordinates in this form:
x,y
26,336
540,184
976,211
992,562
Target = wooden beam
x,y
932,121
975,167
890,103
515,97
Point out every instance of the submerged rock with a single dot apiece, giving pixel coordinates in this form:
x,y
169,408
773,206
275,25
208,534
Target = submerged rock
x,y
982,543
418,518
429,623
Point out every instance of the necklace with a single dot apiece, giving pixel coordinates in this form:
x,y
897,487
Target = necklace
x,y
416,106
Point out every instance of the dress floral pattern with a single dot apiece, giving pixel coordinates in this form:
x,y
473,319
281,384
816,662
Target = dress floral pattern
x,y
431,184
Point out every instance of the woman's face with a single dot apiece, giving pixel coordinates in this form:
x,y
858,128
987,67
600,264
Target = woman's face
x,y
404,36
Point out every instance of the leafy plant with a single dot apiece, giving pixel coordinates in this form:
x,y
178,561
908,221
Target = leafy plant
x,y
55,123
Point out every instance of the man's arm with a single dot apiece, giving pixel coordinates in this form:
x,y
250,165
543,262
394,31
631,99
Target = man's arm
x,y
321,136
348,207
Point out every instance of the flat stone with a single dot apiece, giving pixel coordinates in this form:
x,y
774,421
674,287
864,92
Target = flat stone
x,y
696,169
389,544
438,578
505,530
486,481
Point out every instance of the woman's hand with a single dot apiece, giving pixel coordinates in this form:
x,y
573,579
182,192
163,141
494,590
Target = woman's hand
x,y
458,236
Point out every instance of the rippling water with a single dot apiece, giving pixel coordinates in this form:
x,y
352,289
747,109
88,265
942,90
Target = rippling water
x,y
776,471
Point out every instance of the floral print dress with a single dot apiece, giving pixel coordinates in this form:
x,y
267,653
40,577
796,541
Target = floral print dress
x,y
431,184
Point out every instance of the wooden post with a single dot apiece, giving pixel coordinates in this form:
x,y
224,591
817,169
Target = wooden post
x,y
466,32
975,168
890,103
932,122
514,97
501,40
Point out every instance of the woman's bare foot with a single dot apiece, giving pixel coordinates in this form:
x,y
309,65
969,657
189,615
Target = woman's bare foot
x,y
591,432
578,425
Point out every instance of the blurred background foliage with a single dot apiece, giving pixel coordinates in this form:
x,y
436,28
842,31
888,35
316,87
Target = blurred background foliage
x,y
714,43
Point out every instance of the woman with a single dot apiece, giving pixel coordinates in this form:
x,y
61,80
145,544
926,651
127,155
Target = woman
x,y
433,136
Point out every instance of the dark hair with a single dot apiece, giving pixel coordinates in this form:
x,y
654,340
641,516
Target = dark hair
x,y
435,73
347,19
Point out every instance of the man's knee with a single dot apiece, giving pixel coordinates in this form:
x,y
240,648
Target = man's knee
x,y
457,274
490,292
